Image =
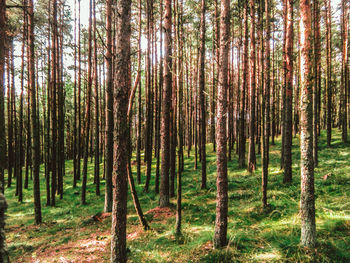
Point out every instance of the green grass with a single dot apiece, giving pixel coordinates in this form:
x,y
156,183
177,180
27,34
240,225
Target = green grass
x,y
254,235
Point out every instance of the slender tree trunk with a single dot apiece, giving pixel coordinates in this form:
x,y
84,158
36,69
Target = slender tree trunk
x,y
245,81
180,117
109,110
79,97
139,119
344,75
307,198
75,162
329,70
202,95
166,104
266,107
288,136
2,92
97,121
317,79
87,111
251,155
34,116
220,233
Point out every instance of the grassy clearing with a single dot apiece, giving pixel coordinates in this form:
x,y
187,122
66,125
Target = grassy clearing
x,y
69,233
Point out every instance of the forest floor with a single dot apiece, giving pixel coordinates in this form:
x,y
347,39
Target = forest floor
x,y
69,233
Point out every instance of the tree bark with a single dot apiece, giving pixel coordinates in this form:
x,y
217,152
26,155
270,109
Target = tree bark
x,y
329,69
266,106
251,155
220,232
2,90
121,132
245,81
288,136
202,96
307,198
166,104
34,116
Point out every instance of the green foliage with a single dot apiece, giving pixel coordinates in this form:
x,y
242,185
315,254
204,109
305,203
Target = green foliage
x,y
255,235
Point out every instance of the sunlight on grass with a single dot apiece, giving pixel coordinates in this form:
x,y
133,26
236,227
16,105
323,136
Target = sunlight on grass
x,y
275,255
255,235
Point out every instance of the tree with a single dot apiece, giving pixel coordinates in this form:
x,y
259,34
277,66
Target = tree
x,y
266,106
328,20
109,110
245,81
220,235
288,112
166,104
307,198
97,122
251,155
202,96
87,111
2,90
317,81
121,132
344,71
34,115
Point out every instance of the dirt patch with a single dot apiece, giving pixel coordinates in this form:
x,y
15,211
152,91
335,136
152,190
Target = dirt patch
x,y
161,213
92,249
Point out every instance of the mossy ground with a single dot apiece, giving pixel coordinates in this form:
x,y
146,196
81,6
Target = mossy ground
x,y
68,233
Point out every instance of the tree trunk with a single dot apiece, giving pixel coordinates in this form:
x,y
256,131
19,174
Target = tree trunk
x,y
220,233
34,116
307,198
109,110
329,69
317,79
121,134
245,81
251,155
202,95
266,107
288,136
87,111
166,104
2,91
344,75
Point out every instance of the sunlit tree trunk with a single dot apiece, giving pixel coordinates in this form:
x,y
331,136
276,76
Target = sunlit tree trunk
x,y
307,198
166,104
220,232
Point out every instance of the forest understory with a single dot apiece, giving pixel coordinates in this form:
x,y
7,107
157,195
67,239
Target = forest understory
x,y
72,232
